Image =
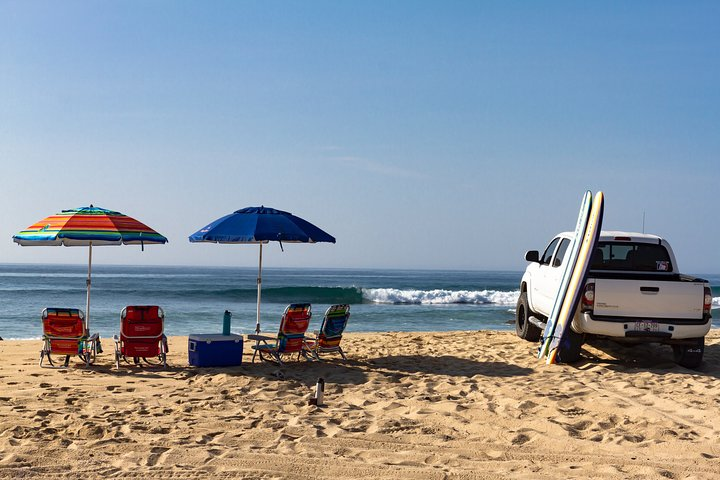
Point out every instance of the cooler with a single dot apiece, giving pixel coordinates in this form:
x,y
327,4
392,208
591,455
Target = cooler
x,y
215,350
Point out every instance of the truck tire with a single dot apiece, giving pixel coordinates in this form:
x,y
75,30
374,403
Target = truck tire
x,y
689,356
523,327
570,346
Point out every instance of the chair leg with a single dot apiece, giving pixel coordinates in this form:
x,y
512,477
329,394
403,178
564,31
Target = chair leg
x,y
274,357
278,358
45,353
163,351
342,354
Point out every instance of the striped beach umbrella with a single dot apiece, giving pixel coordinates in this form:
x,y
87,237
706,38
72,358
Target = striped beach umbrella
x,y
88,227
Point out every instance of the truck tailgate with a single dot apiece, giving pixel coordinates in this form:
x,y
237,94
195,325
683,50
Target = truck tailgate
x,y
649,298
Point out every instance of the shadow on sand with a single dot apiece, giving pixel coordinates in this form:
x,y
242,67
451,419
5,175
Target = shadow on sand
x,y
445,365
349,373
651,357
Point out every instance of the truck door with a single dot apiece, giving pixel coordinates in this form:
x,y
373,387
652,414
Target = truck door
x,y
553,274
542,285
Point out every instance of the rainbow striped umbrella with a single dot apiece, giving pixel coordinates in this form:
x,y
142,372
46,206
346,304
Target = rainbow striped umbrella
x,y
85,227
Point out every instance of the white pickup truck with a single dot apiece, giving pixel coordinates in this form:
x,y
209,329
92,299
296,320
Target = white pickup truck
x,y
633,294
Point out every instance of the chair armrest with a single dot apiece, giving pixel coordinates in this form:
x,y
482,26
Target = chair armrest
x,y
260,338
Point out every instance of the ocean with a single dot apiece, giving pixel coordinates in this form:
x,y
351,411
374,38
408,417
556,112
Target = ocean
x,y
195,298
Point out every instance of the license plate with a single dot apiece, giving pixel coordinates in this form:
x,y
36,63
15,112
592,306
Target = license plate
x,y
647,326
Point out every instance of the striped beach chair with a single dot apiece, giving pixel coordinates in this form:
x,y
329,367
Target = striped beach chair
x,y
65,333
291,335
327,339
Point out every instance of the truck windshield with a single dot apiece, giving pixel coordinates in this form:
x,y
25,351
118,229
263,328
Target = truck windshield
x,y
628,256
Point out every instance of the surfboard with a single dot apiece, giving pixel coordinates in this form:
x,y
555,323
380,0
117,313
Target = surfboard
x,y
569,260
572,296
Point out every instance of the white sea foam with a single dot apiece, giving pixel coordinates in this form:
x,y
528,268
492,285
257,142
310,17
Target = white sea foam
x,y
440,297
716,302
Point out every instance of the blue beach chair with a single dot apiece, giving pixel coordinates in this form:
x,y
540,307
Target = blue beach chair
x,y
327,340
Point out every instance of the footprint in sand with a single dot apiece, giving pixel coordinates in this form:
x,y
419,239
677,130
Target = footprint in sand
x,y
576,430
155,455
572,411
207,438
160,430
520,439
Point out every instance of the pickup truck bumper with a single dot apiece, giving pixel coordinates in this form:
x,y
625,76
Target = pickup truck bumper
x,y
663,330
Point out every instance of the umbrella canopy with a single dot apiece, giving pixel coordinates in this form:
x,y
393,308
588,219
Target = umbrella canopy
x,y
261,225
88,226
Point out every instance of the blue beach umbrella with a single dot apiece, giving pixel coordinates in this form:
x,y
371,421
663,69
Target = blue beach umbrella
x,y
261,225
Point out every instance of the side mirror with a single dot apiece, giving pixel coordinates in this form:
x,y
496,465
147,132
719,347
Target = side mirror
x,y
532,256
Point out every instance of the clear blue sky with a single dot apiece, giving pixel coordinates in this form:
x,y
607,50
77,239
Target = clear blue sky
x,y
420,134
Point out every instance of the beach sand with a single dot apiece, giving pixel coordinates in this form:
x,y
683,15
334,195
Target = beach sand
x,y
405,405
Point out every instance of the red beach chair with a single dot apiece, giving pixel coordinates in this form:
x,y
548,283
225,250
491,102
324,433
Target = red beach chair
x,y
64,333
141,336
291,337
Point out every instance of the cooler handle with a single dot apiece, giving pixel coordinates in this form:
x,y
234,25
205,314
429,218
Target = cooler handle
x,y
191,345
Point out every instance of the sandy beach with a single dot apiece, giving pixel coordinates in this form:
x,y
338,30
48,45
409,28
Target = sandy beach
x,y
405,405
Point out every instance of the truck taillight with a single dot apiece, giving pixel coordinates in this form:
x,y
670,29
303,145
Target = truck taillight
x,y
588,297
707,306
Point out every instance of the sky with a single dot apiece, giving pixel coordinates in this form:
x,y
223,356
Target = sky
x,y
421,134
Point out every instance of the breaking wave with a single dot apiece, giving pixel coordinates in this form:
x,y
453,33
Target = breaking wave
x,y
440,297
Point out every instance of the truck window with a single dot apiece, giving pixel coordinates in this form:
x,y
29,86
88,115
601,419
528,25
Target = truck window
x,y
545,259
631,257
560,254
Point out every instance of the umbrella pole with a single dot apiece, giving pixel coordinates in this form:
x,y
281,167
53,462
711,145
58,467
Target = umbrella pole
x,y
259,287
88,282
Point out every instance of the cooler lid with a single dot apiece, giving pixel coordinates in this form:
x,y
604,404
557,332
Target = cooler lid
x,y
214,337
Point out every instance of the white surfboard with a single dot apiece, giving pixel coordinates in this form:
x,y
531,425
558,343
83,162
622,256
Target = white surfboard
x,y
577,280
569,261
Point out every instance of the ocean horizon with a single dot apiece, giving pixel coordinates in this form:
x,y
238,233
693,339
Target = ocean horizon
x,y
195,298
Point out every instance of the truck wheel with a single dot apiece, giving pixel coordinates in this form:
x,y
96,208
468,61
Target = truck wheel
x,y
523,327
570,346
689,356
